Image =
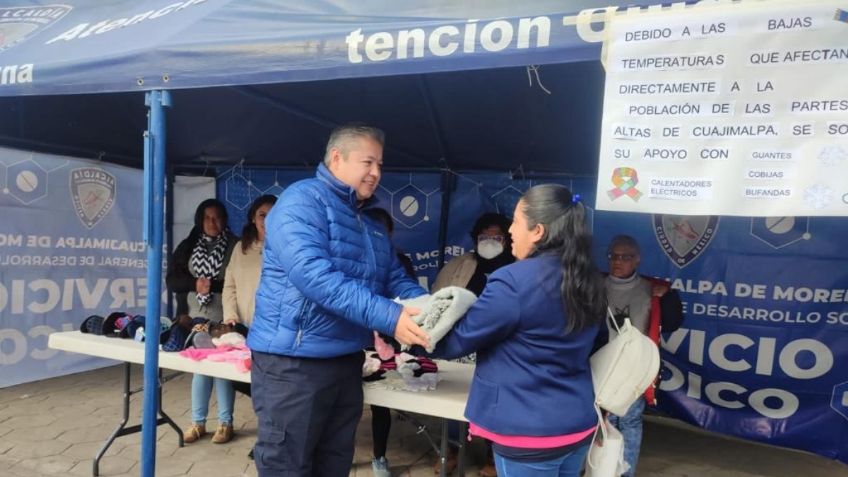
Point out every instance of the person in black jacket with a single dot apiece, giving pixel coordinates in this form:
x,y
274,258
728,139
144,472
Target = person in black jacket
x,y
196,269
196,276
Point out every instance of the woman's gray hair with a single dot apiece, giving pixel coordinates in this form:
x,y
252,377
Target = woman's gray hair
x,y
624,241
341,137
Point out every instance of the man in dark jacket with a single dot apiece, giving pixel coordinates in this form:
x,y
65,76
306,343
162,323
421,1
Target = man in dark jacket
x,y
328,278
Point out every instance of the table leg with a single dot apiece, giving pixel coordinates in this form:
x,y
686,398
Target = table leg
x,y
461,450
123,429
164,418
119,430
443,453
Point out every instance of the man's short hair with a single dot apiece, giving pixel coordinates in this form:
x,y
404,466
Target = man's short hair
x,y
341,137
624,241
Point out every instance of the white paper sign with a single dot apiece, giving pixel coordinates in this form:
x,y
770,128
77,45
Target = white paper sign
x,y
733,109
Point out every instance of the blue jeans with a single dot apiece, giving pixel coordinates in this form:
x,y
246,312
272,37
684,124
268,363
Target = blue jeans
x,y
630,426
201,391
568,465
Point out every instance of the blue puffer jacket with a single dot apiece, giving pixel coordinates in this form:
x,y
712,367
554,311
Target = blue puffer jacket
x,y
328,274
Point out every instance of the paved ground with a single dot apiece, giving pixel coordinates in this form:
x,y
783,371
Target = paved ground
x,y
55,427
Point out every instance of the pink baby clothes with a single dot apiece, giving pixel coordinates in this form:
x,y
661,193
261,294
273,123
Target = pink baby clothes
x,y
199,354
238,355
384,350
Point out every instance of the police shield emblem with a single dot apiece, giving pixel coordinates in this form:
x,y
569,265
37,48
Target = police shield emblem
x,y
19,23
93,194
684,238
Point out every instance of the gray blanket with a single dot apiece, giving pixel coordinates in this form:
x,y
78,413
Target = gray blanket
x,y
440,311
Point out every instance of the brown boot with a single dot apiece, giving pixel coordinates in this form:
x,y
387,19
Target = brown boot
x,y
194,432
223,434
450,464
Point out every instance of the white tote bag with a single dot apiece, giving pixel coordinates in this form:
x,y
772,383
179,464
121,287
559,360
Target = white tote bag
x,y
606,456
623,368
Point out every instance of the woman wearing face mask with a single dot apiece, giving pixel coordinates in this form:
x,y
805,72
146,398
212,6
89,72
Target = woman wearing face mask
x,y
470,271
492,251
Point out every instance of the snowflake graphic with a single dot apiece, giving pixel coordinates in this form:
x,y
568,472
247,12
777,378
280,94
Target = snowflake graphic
x,y
832,155
818,196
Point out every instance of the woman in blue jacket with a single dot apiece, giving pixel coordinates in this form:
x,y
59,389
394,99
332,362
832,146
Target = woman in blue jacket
x,y
533,328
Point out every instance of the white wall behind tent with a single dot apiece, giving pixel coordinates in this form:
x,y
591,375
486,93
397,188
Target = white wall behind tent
x,y
188,193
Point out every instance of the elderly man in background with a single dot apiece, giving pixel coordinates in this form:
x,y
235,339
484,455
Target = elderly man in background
x,y
653,307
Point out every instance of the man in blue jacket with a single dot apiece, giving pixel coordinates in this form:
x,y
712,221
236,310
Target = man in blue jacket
x,y
328,276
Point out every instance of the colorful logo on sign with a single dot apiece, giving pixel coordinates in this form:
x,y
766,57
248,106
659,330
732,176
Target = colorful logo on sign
x,y
684,238
624,179
20,23
93,194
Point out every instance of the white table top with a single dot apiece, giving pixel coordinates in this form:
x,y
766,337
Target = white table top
x,y
132,351
447,400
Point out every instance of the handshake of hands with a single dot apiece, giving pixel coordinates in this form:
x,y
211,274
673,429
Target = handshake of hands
x,y
407,332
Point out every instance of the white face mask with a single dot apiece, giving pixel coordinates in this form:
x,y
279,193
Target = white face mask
x,y
489,249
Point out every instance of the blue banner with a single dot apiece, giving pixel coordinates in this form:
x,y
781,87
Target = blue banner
x,y
766,300
413,199
766,305
415,202
70,246
238,187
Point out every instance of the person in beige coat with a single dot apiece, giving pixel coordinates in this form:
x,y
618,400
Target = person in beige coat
x,y
243,270
242,277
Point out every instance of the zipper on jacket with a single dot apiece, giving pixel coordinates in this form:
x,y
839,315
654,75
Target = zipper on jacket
x,y
300,323
370,249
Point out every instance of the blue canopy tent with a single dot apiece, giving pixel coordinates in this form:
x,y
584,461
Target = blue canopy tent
x,y
206,53
489,85
249,81
431,121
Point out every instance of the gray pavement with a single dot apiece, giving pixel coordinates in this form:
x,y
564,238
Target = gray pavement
x,y
55,427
